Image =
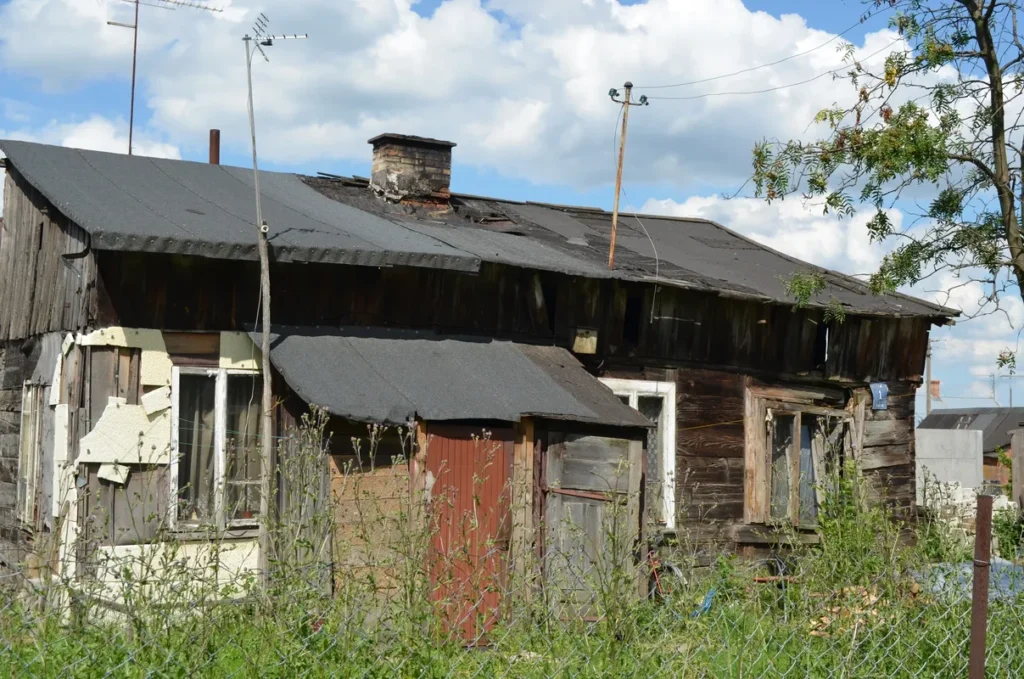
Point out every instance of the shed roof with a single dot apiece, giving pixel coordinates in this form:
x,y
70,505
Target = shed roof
x,y
384,375
135,203
995,423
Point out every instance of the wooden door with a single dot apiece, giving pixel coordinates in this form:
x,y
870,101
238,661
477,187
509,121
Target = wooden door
x,y
470,503
591,489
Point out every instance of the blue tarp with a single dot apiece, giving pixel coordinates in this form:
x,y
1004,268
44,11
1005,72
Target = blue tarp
x,y
954,580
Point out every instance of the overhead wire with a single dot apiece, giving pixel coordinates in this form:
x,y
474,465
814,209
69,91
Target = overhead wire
x,y
750,69
777,87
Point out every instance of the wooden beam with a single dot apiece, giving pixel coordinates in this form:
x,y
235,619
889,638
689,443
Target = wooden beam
x,y
192,343
1017,454
767,535
523,529
755,477
418,483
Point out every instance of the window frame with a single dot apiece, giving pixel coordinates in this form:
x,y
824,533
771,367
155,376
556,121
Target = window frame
x,y
763,406
30,462
220,447
634,390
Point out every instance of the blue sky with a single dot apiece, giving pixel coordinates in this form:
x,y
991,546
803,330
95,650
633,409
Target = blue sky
x,y
520,85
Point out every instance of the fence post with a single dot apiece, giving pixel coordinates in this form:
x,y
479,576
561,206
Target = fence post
x,y
979,593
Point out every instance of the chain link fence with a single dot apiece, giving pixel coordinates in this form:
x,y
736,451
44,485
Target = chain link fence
x,y
362,585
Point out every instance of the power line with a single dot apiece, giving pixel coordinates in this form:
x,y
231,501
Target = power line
x,y
777,87
863,19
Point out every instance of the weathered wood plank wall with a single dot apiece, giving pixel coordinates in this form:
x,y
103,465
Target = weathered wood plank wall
x,y
636,324
41,288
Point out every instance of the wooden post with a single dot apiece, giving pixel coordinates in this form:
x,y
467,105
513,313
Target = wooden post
x,y
1017,469
979,592
523,532
618,174
418,483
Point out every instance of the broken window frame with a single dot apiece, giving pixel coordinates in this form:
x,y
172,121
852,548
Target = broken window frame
x,y
763,410
220,521
30,452
634,390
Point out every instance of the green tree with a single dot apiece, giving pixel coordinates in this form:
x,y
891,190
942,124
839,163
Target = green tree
x,y
941,117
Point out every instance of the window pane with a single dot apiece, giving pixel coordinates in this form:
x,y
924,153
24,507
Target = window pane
x,y
650,407
808,496
196,395
242,466
782,441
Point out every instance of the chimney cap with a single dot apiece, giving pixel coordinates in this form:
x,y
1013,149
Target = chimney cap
x,y
409,139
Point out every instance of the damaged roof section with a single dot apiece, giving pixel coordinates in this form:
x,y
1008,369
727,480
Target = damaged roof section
x,y
383,375
133,203
694,254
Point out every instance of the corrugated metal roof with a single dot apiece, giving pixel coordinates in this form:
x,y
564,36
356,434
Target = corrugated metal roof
x,y
382,375
995,423
152,205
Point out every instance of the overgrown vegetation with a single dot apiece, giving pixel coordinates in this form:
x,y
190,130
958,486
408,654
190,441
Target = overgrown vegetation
x,y
853,605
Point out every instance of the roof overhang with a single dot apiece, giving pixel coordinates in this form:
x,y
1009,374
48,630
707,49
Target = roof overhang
x,y
394,376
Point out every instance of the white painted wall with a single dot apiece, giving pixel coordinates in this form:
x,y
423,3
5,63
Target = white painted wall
x,y
176,572
948,456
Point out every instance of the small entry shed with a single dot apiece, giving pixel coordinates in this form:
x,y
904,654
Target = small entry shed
x,y
522,458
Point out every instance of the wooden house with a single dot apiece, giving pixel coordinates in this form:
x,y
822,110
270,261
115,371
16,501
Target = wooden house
x,y
129,286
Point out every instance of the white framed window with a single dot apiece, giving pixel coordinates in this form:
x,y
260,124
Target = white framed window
x,y
657,402
215,447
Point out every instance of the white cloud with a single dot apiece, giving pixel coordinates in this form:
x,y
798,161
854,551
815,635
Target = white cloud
x,y
525,94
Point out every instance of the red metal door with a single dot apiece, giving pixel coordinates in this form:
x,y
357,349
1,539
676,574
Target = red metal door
x,y
470,503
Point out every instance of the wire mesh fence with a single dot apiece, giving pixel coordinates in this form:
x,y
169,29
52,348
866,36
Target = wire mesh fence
x,y
366,581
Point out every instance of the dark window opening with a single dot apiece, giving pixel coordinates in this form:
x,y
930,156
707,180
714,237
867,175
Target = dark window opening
x,y
550,291
631,320
821,345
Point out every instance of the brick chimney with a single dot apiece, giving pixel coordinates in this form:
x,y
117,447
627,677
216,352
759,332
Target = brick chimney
x,y
411,169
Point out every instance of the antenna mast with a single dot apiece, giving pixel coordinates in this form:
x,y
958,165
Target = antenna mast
x,y
160,4
252,45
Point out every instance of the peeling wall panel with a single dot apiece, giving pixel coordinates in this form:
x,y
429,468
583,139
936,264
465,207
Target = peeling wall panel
x,y
125,434
239,352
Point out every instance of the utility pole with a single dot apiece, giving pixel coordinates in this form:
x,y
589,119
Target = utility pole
x,y
928,380
266,421
626,102
159,4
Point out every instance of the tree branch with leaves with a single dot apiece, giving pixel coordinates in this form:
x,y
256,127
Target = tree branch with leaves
x,y
940,116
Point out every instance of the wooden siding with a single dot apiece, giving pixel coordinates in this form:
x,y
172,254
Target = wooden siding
x,y
887,447
662,325
41,289
711,432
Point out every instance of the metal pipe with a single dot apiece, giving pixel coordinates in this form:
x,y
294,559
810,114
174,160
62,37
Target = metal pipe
x,y
266,441
928,380
214,147
135,57
979,592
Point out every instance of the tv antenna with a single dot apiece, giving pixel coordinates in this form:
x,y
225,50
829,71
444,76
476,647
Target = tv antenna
x,y
159,4
255,43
